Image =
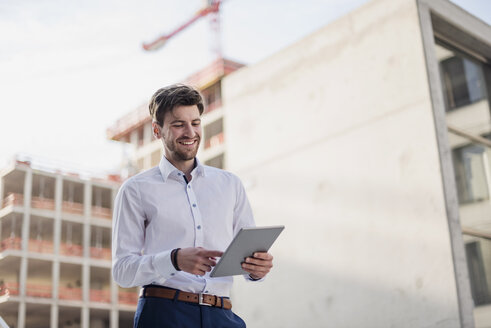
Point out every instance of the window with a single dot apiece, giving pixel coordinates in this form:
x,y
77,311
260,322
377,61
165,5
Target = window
x,y
214,133
463,82
477,272
471,173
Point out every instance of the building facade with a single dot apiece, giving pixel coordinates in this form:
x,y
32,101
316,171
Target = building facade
x,y
368,141
55,251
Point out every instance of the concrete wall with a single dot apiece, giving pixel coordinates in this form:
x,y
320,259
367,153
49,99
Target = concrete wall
x,y
334,138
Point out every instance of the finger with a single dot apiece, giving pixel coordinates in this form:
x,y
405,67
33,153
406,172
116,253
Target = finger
x,y
209,262
201,271
210,253
263,255
251,268
265,263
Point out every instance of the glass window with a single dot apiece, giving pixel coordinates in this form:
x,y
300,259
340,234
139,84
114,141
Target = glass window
x,y
471,173
477,271
463,82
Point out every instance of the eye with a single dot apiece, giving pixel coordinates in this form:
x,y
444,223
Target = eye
x,y
196,123
178,125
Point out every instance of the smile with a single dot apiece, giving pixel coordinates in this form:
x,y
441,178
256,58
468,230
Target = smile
x,y
187,143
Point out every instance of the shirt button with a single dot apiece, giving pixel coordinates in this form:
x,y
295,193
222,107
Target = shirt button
x,y
189,187
198,227
172,274
194,205
206,291
179,174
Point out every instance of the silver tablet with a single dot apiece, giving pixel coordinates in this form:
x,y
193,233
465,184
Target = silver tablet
x,y
246,242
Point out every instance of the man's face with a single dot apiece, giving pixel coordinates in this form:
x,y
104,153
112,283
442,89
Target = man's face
x,y
181,133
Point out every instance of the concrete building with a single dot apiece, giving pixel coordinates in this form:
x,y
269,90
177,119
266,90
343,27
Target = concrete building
x,y
367,139
350,138
55,250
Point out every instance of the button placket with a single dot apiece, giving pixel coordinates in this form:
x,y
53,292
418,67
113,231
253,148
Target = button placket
x,y
198,241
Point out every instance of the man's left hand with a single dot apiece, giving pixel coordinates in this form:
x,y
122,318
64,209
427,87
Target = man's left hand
x,y
259,265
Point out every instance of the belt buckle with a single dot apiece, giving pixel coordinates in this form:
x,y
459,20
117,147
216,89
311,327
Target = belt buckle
x,y
200,300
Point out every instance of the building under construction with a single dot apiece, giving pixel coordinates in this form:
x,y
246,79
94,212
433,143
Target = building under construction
x,y
55,250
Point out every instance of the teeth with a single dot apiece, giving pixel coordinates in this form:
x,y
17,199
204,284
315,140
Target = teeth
x,y
187,143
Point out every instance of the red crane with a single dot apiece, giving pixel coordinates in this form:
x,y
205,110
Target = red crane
x,y
212,7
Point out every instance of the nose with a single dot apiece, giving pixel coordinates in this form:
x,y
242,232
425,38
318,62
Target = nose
x,y
189,131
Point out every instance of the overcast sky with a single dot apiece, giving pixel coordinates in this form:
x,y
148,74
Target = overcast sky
x,y
70,69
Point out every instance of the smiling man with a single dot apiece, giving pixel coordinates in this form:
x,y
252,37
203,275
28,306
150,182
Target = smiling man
x,y
172,222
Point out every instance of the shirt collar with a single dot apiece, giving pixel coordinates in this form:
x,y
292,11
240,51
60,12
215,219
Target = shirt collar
x,y
167,169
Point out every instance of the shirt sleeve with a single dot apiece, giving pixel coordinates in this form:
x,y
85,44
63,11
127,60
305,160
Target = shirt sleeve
x,y
130,267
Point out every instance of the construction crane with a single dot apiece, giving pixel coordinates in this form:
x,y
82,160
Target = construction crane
x,y
212,8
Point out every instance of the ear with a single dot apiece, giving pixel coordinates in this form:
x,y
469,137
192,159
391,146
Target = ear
x,y
157,130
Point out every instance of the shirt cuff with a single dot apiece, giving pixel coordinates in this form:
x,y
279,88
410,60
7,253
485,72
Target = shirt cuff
x,y
249,278
163,264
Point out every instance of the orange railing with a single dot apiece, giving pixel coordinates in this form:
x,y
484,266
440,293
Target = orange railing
x,y
101,296
100,253
215,140
67,293
11,243
43,203
71,249
36,290
130,298
40,246
101,212
36,202
72,207
13,199
9,288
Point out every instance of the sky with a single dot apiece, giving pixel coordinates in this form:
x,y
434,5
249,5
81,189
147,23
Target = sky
x,y
69,69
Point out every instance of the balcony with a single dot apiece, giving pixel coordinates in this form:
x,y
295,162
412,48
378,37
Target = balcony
x,y
100,253
71,249
128,298
100,296
38,290
69,293
40,246
43,203
101,212
215,140
13,199
11,243
72,207
9,288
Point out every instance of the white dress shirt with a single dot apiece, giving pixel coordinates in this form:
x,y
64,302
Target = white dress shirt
x,y
157,211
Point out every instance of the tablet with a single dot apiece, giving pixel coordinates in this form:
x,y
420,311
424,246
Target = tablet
x,y
245,244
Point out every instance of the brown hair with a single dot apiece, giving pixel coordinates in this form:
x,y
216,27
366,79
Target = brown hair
x,y
168,98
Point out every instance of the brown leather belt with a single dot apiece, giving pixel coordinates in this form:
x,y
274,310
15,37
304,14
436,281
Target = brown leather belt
x,y
201,299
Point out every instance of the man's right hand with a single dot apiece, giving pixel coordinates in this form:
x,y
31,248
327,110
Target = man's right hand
x,y
197,260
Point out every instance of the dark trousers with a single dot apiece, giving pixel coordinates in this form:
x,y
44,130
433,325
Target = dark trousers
x,y
155,312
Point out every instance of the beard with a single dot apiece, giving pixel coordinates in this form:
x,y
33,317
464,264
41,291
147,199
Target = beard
x,y
179,151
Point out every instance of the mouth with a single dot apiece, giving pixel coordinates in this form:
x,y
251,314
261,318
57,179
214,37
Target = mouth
x,y
188,143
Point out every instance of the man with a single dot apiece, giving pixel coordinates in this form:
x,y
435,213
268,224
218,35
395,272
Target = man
x,y
172,222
